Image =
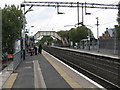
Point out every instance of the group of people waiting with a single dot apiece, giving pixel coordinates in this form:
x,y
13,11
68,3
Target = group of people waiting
x,y
35,50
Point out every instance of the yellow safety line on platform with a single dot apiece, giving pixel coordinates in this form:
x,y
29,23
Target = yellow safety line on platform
x,y
9,83
67,78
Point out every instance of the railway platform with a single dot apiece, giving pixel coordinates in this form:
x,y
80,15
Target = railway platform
x,y
45,71
92,52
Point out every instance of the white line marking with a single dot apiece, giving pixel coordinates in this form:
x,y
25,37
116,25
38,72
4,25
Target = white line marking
x,y
98,85
38,78
28,67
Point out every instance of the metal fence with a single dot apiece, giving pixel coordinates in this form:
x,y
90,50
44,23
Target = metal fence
x,y
107,46
110,46
17,60
88,45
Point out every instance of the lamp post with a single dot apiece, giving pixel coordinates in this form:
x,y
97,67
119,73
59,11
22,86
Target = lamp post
x,y
23,32
97,34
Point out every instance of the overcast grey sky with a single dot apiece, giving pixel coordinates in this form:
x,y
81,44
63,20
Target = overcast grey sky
x,y
46,18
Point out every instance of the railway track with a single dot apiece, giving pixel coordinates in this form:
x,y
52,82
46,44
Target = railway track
x,y
103,70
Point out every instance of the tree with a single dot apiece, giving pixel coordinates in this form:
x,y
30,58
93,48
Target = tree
x,y
76,34
64,34
72,35
79,33
12,24
47,39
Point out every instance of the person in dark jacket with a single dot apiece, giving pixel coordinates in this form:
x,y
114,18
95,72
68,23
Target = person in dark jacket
x,y
35,48
40,49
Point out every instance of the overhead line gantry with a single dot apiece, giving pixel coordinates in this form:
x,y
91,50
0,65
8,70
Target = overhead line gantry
x,y
70,5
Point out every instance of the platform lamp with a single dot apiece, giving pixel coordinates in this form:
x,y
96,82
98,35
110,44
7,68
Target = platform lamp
x,y
23,33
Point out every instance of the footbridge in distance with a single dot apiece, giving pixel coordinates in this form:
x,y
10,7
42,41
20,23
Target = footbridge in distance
x,y
50,33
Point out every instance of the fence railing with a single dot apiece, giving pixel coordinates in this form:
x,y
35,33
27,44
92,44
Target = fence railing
x,y
110,46
17,60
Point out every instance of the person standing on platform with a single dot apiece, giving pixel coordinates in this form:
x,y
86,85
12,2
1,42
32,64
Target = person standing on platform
x,y
31,51
40,49
35,48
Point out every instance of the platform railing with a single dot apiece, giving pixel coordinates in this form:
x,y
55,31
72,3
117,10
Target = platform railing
x,y
17,60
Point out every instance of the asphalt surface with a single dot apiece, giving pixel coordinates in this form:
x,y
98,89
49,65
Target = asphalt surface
x,y
25,78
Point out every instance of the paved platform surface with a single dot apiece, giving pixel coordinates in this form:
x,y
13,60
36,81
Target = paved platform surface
x,y
4,74
44,71
26,78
